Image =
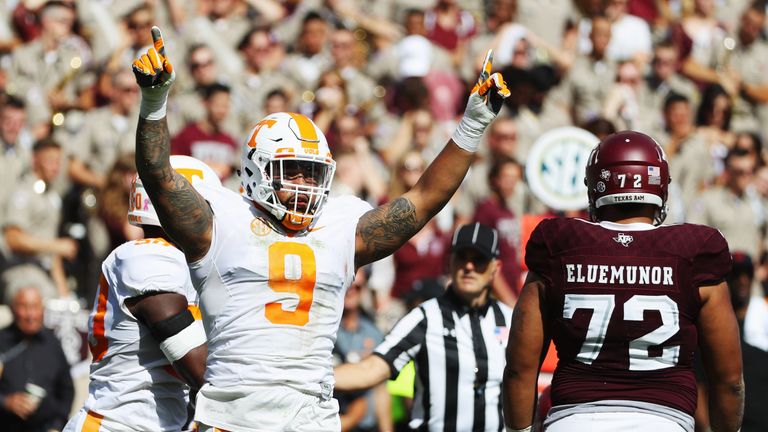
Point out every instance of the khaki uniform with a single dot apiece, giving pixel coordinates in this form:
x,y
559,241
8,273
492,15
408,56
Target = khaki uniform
x,y
752,64
729,12
586,87
359,88
385,63
222,37
651,96
14,161
105,137
250,93
305,70
34,73
740,219
546,18
692,169
35,210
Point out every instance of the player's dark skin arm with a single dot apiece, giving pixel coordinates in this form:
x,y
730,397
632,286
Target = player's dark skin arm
x,y
153,308
381,231
184,214
525,352
721,353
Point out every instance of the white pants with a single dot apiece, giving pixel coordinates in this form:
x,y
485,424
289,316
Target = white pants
x,y
614,422
86,421
264,409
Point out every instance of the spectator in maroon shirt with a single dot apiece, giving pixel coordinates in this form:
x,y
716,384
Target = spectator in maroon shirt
x,y
503,177
450,27
205,139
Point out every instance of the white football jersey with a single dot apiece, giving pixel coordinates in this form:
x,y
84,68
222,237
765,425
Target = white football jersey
x,y
133,385
271,302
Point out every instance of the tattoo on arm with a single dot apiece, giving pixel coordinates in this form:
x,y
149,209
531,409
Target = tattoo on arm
x,y
384,229
184,214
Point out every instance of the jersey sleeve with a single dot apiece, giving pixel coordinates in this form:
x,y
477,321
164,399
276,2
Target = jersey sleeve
x,y
347,211
404,341
537,254
712,262
152,271
219,199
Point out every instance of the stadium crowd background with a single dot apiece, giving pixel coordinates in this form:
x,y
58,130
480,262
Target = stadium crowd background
x,y
387,81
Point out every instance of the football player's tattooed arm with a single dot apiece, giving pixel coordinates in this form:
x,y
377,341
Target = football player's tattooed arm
x,y
183,213
525,351
721,353
155,308
383,230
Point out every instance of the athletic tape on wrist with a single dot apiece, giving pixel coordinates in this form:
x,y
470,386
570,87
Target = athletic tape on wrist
x,y
154,102
509,429
468,134
178,345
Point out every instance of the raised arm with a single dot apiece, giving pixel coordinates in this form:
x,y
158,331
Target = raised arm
x,y
183,213
383,230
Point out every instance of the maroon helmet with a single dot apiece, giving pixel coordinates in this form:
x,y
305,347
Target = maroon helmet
x,y
627,167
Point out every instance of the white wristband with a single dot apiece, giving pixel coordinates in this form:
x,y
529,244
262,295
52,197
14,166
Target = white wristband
x,y
509,429
477,116
154,101
468,134
178,345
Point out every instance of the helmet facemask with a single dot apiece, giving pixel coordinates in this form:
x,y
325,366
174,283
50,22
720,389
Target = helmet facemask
x,y
307,179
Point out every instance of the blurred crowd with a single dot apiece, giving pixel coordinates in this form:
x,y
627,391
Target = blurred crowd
x,y
387,81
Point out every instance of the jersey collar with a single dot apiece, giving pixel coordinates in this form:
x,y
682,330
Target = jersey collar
x,y
636,226
461,307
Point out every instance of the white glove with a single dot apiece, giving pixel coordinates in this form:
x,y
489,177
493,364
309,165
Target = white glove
x,y
482,107
155,75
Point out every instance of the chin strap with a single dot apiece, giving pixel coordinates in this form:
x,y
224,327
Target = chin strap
x,y
661,214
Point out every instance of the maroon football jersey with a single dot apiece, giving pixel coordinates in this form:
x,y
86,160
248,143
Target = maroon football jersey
x,y
622,303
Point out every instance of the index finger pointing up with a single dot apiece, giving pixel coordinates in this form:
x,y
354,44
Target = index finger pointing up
x,y
485,73
157,39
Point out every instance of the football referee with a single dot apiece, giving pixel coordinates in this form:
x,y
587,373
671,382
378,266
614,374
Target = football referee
x,y
456,341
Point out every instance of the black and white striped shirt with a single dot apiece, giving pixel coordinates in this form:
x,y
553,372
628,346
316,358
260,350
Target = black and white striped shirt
x,y
459,354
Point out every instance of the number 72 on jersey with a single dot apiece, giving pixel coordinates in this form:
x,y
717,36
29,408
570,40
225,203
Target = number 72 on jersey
x,y
602,307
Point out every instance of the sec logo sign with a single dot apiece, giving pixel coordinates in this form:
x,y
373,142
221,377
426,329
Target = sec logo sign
x,y
555,167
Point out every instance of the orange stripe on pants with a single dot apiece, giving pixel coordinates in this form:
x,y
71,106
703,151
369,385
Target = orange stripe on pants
x,y
92,422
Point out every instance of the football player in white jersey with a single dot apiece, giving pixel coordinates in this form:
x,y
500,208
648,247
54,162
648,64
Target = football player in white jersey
x,y
145,331
272,264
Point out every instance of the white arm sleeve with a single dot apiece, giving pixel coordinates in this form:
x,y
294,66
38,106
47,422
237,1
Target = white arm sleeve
x,y
178,345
